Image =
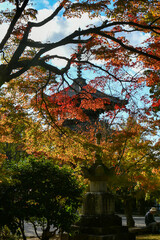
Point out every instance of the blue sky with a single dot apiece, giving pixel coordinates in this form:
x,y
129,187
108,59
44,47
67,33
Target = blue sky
x,y
44,4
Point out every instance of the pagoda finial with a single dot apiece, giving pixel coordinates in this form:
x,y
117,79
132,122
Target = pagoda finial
x,y
79,69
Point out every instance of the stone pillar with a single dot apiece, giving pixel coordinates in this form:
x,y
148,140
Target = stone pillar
x,y
98,220
99,204
98,201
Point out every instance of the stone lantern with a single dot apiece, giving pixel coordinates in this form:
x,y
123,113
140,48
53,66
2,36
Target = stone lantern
x,y
98,220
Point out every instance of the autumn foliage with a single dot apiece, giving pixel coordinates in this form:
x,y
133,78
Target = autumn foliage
x,y
34,96
108,43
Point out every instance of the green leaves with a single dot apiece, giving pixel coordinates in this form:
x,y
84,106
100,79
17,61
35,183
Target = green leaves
x,y
41,191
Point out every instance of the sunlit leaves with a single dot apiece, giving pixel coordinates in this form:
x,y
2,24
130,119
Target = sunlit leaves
x,y
108,47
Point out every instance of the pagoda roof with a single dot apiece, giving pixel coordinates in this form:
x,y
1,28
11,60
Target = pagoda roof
x,y
79,88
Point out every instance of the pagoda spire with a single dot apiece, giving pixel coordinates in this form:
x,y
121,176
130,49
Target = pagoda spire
x,y
79,69
79,82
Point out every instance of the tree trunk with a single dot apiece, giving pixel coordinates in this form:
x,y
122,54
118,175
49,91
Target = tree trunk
x,y
46,235
21,225
128,204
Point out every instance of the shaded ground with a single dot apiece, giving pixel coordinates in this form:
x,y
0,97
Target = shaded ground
x,y
149,237
142,237
139,222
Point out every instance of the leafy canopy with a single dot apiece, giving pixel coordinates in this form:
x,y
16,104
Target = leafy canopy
x,y
41,193
107,46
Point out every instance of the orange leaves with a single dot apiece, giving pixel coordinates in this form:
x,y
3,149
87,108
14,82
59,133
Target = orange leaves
x,y
92,104
2,157
76,103
63,107
156,103
116,107
63,3
19,31
146,183
152,73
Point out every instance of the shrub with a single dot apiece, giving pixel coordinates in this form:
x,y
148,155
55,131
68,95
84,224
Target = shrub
x,y
42,193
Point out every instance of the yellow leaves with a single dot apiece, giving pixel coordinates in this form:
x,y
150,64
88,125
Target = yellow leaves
x,y
32,202
2,158
132,156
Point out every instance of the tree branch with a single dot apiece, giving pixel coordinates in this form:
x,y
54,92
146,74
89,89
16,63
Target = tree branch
x,y
46,20
23,42
130,48
13,23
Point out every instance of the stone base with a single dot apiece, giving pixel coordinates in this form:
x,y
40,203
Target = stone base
x,y
107,220
102,230
101,227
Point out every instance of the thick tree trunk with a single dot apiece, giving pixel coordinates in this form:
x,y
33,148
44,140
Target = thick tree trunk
x,y
128,204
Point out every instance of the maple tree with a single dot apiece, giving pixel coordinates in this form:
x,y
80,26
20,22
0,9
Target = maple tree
x,y
107,50
105,43
136,163
23,133
134,158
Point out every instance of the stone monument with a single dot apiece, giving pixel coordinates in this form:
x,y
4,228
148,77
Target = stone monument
x,y
98,220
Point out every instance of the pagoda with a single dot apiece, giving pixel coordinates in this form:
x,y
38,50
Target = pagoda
x,y
81,104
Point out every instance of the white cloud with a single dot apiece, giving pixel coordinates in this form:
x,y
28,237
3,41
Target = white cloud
x,y
137,38
59,28
3,30
46,3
